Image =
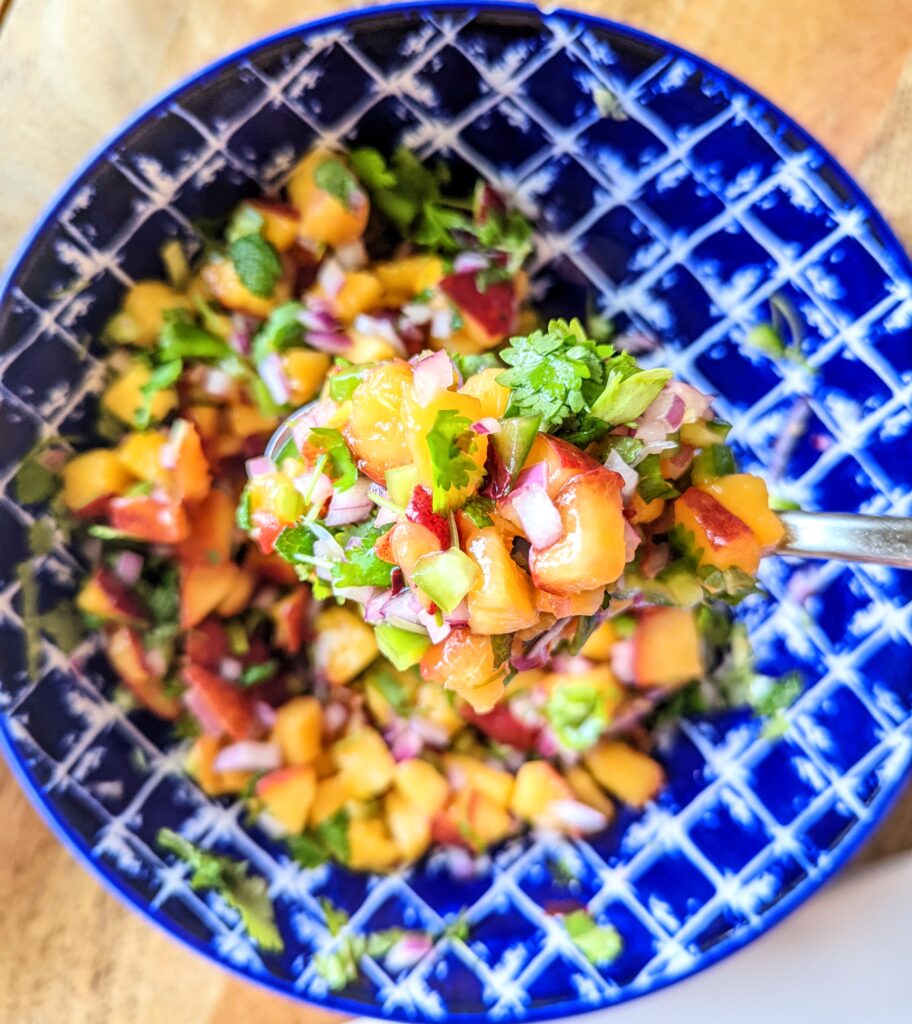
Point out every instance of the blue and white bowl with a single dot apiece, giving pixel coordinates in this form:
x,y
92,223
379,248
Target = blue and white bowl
x,y
684,202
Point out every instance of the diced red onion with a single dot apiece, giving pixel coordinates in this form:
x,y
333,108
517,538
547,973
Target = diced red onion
x,y
320,490
546,743
128,567
272,373
540,649
418,313
405,609
198,706
662,417
436,632
331,278
653,448
654,560
217,383
378,327
404,743
331,342
432,375
156,662
241,336
265,714
350,506
248,756
326,545
793,429
532,506
459,616
636,342
632,541
335,717
575,816
442,324
572,664
628,475
315,416
230,669
678,464
317,316
486,425
170,450
431,733
373,609
260,466
695,402
411,948
469,263
352,256
622,660
360,595
265,598
385,516
460,863
535,475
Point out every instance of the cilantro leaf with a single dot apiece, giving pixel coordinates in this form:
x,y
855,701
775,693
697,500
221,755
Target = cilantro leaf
x,y
398,189
331,441
329,840
181,338
229,878
451,443
556,374
259,673
296,543
599,944
371,168
362,567
34,482
282,329
469,365
334,178
257,264
162,377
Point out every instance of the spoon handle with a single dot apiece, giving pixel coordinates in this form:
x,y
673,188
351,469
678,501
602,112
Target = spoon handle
x,y
883,540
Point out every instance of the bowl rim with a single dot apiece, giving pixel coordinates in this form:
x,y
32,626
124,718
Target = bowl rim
x,y
59,825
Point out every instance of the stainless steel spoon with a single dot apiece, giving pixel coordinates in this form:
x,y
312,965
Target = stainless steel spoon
x,y
842,537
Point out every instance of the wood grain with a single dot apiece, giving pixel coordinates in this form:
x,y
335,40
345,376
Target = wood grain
x,y
69,74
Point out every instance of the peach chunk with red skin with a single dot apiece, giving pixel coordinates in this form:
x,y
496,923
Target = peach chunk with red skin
x,y
723,540
591,553
562,459
128,656
225,704
464,663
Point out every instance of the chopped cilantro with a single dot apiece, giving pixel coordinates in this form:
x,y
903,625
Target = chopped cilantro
x,y
599,944
331,441
391,689
296,543
362,567
577,714
282,329
257,264
329,840
64,626
469,365
451,443
242,513
338,181
254,674
768,337
181,338
33,481
608,105
163,376
229,878
246,220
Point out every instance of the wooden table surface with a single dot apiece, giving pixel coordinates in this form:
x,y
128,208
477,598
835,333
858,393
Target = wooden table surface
x,y
69,74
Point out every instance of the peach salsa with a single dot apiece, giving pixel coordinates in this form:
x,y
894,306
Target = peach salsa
x,y
489,558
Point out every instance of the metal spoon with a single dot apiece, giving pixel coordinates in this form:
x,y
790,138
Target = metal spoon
x,y
842,537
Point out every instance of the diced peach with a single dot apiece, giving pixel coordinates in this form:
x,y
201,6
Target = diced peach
x,y
420,783
562,459
206,419
501,600
238,597
404,279
124,398
190,477
375,431
464,663
628,774
601,640
211,531
645,511
538,784
563,606
140,454
151,517
746,497
306,371
248,421
287,795
476,820
325,219
368,348
364,759
408,824
298,728
723,540
586,790
280,222
344,645
142,315
434,705
360,292
467,772
289,617
493,397
333,793
220,277
200,764
128,656
370,846
225,703
489,314
94,475
203,587
106,596
418,421
408,542
667,648
592,552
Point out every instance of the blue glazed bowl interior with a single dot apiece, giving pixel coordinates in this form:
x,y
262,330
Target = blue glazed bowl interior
x,y
682,210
